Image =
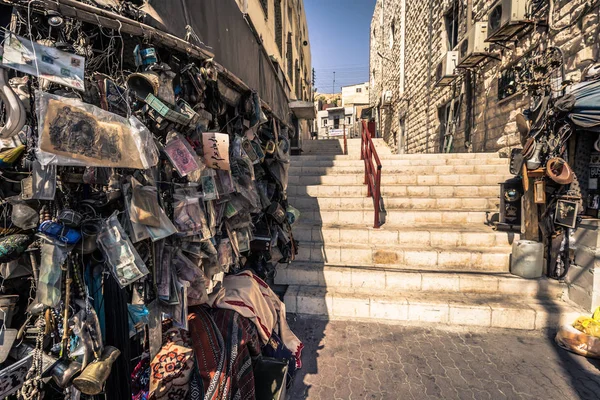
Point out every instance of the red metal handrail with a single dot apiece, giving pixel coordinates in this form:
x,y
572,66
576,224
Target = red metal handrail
x,y
345,142
368,153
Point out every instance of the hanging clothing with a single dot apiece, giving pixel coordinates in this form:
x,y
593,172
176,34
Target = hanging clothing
x,y
224,343
253,298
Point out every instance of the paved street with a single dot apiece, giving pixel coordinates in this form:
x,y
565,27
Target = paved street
x,y
355,360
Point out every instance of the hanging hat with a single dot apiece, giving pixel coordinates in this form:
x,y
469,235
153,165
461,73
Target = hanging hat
x,y
559,171
144,83
523,125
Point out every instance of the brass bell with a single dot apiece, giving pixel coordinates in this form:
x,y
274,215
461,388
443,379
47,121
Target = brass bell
x,y
92,379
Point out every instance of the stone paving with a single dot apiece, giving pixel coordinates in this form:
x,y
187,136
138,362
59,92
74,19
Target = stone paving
x,y
358,360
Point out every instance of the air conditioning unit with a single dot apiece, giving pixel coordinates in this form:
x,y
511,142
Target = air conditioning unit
x,y
473,49
505,19
386,97
445,73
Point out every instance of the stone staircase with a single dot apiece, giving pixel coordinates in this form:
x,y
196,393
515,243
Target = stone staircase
x,y
435,259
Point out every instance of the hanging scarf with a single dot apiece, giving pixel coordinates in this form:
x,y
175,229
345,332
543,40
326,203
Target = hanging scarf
x,y
224,343
250,296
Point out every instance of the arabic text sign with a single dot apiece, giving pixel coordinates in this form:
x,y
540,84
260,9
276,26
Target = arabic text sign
x,y
216,150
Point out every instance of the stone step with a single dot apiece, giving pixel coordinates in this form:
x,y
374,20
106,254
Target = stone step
x,y
299,162
401,169
400,281
439,217
400,179
428,156
394,203
360,190
410,235
482,310
448,258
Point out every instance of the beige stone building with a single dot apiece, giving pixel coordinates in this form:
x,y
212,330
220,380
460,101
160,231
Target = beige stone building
x,y
281,24
411,45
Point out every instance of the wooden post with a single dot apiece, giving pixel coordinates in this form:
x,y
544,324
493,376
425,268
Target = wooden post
x,y
530,229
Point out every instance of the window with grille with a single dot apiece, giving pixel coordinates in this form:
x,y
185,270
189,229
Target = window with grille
x,y
278,27
265,6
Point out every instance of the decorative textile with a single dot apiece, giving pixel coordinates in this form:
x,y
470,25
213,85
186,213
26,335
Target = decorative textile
x,y
208,345
171,369
140,379
224,343
241,344
253,298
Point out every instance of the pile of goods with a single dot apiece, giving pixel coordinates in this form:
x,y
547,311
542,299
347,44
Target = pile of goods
x,y
144,210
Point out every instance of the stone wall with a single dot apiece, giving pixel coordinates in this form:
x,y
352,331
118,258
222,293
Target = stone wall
x,y
493,126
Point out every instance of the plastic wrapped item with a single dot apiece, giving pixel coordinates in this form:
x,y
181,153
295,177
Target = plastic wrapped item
x,y
209,185
189,218
138,317
186,269
224,182
225,254
578,342
43,181
71,132
144,204
125,262
22,215
49,284
589,326
182,156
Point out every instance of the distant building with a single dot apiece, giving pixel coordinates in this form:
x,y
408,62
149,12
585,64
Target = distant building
x,y
355,98
341,111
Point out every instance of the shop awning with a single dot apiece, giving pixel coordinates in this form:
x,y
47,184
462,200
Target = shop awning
x,y
586,109
303,109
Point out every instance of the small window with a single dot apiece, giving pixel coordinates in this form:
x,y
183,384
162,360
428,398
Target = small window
x,y
325,121
336,123
451,22
507,83
358,90
392,34
348,120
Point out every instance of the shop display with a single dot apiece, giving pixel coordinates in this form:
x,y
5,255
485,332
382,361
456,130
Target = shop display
x,y
144,213
557,181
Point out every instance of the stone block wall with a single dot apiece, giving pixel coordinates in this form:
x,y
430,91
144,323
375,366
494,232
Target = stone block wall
x,y
493,127
583,277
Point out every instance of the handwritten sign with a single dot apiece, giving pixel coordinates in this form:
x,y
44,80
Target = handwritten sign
x,y
216,150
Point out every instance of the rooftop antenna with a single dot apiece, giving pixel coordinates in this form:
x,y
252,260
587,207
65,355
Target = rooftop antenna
x,y
333,87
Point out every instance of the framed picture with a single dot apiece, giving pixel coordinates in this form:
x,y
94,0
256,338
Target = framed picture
x,y
566,213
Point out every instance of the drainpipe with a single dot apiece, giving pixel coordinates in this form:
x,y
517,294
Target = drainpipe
x,y
429,65
402,44
469,14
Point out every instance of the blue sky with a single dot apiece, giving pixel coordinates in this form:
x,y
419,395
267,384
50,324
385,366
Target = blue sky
x,y
339,38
